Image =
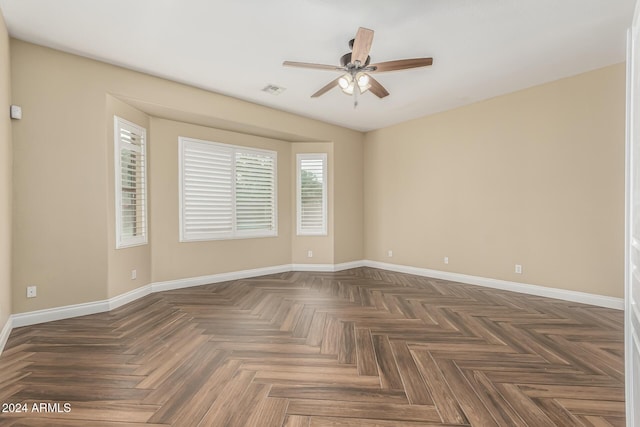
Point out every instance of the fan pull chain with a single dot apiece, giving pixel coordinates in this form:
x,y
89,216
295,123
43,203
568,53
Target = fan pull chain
x,y
356,90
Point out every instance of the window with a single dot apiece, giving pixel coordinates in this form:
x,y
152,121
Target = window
x,y
226,191
312,194
131,183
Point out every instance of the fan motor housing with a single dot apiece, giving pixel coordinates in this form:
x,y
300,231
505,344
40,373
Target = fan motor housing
x,y
345,60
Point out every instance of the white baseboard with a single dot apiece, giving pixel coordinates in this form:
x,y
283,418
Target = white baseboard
x,y
217,278
76,310
59,313
312,267
126,298
327,267
348,265
6,331
543,291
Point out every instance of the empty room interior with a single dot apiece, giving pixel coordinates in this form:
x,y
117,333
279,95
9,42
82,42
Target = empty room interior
x,y
315,213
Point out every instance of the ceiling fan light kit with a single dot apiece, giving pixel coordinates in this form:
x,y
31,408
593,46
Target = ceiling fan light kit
x,y
357,67
347,83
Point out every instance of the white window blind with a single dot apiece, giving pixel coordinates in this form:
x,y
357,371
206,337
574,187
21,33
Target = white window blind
x,y
226,191
255,190
312,194
207,188
131,183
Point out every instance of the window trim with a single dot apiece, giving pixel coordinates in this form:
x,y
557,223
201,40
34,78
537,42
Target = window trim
x,y
234,234
325,210
143,239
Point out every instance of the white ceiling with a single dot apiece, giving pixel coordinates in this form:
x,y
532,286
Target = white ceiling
x,y
481,48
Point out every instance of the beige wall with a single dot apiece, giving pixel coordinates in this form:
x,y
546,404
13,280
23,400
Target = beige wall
x,y
62,184
534,178
321,246
5,177
120,262
174,260
348,201
60,180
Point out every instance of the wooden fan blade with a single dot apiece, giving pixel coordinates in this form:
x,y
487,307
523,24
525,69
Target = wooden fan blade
x,y
377,89
401,64
326,88
311,65
362,45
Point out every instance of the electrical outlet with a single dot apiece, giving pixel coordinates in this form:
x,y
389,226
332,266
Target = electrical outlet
x,y
446,260
518,269
309,254
31,291
389,253
134,274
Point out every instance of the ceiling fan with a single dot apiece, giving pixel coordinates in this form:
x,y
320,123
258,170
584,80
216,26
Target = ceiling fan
x,y
357,67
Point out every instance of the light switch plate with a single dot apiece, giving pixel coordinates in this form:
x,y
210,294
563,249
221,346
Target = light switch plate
x,y
16,112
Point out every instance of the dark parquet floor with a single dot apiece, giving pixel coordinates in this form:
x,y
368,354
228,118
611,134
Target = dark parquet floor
x,y
362,347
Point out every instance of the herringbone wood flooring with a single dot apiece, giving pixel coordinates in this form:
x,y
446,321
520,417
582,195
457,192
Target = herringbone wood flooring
x,y
363,347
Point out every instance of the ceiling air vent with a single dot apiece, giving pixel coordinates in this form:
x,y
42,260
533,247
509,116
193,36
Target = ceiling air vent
x,y
273,89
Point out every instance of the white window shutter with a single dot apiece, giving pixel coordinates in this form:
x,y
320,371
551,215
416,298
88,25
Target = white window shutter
x,y
131,183
255,191
207,205
226,191
312,194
